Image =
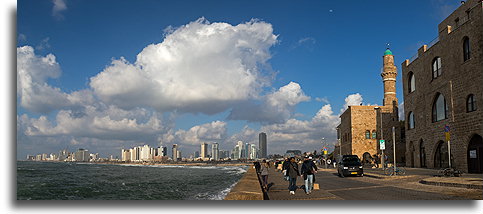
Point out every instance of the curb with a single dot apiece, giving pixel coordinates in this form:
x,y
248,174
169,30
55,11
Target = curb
x,y
467,186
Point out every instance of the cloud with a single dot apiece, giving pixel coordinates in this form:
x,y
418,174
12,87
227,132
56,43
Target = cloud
x,y
303,134
21,37
322,99
107,123
34,93
200,67
352,100
308,42
44,44
275,107
59,6
401,111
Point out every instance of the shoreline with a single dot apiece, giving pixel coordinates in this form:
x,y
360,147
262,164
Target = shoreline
x,y
150,164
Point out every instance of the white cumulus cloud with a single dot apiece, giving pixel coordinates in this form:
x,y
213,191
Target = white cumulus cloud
x,y
275,107
34,93
59,6
199,67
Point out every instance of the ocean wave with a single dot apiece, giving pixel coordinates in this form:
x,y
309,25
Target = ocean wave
x,y
237,169
222,194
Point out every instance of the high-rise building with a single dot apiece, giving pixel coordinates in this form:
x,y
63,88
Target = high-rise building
x,y
204,150
253,152
235,153
197,154
262,144
178,154
175,152
214,151
443,94
63,154
82,155
240,150
125,155
145,153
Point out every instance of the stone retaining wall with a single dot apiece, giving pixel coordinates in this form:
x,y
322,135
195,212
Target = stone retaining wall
x,y
248,188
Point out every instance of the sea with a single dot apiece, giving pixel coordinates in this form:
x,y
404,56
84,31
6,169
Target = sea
x,y
93,181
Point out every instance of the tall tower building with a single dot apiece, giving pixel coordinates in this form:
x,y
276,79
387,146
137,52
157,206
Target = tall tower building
x,y
175,152
389,74
204,150
214,151
262,144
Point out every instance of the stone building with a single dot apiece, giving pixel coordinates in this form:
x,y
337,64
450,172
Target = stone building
x,y
443,87
362,127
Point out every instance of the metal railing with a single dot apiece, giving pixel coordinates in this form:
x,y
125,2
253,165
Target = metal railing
x,y
462,21
413,58
435,40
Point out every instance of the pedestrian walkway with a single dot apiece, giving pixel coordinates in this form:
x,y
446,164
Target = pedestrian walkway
x,y
333,187
432,177
278,189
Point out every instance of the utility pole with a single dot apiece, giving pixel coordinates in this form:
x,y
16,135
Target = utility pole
x,y
377,108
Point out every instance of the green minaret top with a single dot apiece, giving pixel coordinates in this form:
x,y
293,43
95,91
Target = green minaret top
x,y
387,52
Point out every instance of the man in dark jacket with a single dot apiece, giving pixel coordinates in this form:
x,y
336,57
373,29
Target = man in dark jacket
x,y
293,173
308,170
284,168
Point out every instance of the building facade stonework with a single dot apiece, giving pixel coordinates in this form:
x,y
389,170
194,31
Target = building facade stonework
x,y
362,127
443,87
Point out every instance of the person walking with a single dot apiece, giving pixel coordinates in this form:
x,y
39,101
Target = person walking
x,y
264,173
293,173
257,167
284,168
308,170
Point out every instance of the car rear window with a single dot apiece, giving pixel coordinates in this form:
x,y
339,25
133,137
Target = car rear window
x,y
351,159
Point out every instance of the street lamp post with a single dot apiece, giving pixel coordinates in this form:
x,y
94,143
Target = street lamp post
x,y
324,151
377,108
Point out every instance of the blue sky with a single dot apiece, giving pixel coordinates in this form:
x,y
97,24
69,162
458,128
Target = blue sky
x,y
318,51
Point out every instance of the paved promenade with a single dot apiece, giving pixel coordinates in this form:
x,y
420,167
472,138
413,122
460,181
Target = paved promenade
x,y
333,187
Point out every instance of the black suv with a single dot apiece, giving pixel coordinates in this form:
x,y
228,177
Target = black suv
x,y
349,165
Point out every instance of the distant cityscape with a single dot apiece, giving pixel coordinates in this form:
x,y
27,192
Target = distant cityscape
x,y
146,153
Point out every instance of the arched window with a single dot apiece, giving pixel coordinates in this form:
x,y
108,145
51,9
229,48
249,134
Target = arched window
x,y
440,108
374,134
368,134
466,49
436,67
411,82
411,120
470,103
441,156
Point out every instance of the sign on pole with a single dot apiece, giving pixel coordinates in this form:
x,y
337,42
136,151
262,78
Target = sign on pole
x,y
446,128
382,144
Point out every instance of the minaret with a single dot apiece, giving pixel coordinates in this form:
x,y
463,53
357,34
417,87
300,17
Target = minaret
x,y
389,75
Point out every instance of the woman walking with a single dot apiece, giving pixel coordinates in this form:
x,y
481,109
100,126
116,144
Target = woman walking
x,y
293,173
264,173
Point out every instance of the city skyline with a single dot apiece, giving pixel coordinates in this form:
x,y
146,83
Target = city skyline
x,y
282,77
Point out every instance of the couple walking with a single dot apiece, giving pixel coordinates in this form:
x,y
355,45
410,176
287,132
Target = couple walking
x,y
306,172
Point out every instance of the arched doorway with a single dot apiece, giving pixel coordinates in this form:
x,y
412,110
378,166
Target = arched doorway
x,y
474,154
441,155
422,154
366,158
